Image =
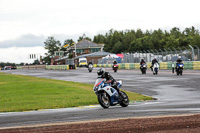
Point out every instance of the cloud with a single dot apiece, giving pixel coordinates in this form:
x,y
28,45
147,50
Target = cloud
x,y
28,40
20,54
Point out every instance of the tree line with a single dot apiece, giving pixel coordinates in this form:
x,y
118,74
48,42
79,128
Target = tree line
x,y
132,40
137,40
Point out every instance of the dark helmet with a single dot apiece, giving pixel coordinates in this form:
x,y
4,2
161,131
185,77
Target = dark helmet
x,y
101,71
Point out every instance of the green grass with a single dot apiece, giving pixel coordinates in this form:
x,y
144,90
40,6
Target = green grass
x,y
23,93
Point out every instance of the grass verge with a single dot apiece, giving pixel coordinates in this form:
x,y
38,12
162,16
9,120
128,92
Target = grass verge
x,y
24,93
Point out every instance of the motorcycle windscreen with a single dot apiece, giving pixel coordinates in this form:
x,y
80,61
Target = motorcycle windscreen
x,y
98,81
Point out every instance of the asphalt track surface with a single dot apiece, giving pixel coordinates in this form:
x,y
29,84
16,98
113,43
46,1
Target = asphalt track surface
x,y
175,95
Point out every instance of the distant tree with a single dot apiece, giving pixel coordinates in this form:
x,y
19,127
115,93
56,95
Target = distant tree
x,y
69,41
117,47
84,37
99,39
51,45
36,62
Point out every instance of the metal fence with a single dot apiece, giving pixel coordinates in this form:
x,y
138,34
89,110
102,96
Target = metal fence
x,y
70,61
165,55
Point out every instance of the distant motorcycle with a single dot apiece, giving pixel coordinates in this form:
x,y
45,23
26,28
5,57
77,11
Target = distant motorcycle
x,y
90,67
109,96
115,67
155,68
143,68
179,68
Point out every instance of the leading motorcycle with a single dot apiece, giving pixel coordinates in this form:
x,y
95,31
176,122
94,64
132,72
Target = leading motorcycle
x,y
115,67
179,68
155,68
109,96
90,67
143,68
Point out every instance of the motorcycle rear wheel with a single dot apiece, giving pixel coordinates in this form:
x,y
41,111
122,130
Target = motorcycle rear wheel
x,y
104,100
125,101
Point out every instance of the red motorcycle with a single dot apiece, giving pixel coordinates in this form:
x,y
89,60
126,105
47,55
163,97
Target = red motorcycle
x,y
115,67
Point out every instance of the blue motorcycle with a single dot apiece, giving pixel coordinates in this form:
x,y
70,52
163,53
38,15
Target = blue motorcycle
x,y
179,68
109,96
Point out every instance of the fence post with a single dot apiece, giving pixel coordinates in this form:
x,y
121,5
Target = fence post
x,y
176,53
162,54
192,52
198,52
157,54
166,54
171,52
146,55
180,50
152,53
149,55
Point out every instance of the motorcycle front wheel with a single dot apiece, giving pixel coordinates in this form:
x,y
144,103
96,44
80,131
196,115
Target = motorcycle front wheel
x,y
125,101
104,100
181,72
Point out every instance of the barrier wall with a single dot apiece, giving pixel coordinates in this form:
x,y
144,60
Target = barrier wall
x,y
189,65
19,67
57,67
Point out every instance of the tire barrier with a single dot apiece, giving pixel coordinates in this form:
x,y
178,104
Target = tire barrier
x,y
188,65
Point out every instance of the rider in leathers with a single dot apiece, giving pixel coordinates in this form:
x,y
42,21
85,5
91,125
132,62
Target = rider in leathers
x,y
109,79
141,62
153,62
178,61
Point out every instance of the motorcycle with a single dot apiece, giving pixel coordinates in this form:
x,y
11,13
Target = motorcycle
x,y
115,67
143,68
155,68
90,67
179,68
109,96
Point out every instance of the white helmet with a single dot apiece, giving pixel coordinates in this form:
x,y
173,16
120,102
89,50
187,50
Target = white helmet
x,y
179,57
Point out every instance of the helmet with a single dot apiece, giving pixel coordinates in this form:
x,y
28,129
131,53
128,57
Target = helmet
x,y
101,71
179,57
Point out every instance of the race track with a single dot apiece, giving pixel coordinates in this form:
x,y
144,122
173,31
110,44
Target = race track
x,y
174,94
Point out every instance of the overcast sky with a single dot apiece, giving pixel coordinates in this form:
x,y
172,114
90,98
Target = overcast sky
x,y
25,24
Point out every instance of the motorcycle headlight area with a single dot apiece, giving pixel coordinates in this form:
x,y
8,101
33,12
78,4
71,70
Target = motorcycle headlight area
x,y
102,85
96,88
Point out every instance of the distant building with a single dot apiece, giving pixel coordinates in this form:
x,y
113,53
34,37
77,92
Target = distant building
x,y
84,47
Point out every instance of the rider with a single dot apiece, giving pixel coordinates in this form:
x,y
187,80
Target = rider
x,y
114,62
90,63
178,61
141,62
109,79
153,62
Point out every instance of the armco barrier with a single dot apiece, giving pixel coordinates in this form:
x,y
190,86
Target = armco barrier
x,y
188,65
19,67
196,65
58,67
163,65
